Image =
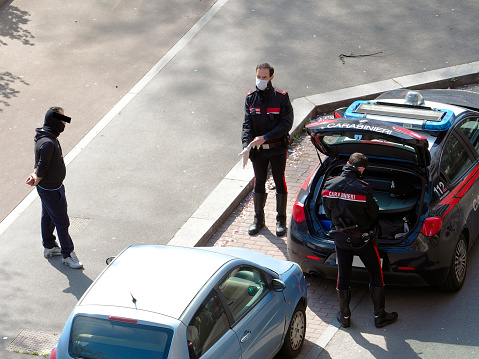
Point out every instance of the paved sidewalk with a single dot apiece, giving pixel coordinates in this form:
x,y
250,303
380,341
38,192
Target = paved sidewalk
x,y
322,300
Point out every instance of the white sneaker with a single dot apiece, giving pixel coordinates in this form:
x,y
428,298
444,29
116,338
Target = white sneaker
x,y
50,252
72,261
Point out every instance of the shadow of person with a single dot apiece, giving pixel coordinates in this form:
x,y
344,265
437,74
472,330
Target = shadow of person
x,y
377,343
77,280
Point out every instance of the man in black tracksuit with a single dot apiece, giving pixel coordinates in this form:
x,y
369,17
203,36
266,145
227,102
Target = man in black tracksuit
x,y
48,175
349,203
268,119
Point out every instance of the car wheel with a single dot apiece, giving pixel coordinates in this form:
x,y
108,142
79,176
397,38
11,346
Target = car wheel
x,y
457,271
294,340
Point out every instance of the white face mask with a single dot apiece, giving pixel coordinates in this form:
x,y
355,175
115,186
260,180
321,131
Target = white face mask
x,y
261,84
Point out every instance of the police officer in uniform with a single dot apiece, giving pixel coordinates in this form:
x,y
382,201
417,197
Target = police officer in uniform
x,y
267,122
349,203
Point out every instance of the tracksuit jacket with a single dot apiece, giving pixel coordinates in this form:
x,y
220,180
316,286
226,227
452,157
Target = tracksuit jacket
x,y
49,159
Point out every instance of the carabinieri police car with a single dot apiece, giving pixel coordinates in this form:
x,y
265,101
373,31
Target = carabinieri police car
x,y
423,150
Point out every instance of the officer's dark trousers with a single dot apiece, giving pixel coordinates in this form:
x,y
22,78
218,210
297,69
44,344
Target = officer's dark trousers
x,y
278,166
369,256
54,215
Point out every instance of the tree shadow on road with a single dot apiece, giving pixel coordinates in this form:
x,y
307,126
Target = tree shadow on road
x,y
7,91
12,26
12,22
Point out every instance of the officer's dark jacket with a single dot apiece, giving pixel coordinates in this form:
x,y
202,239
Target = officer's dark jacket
x,y
349,198
267,112
49,159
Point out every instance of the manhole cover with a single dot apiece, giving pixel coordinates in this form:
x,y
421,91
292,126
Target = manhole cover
x,y
77,224
33,342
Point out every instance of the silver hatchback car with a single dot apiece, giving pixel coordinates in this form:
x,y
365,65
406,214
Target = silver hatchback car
x,y
155,301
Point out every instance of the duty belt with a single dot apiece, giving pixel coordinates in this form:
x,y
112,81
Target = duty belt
x,y
268,146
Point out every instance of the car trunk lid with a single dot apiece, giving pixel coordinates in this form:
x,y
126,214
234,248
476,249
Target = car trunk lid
x,y
335,137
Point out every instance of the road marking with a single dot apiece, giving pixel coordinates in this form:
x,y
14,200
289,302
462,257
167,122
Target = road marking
x,y
180,45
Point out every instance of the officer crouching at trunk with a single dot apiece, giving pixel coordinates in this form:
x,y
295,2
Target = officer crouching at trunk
x,y
349,203
267,122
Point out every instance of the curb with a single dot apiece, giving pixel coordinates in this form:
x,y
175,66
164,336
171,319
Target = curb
x,y
206,220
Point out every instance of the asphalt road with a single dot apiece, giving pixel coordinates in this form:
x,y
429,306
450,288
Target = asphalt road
x,y
431,324
167,142
179,136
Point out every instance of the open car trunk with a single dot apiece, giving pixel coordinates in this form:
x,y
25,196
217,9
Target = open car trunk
x,y
396,155
398,192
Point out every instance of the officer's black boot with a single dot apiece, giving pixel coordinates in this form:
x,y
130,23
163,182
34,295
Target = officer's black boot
x,y
258,223
281,201
344,315
381,317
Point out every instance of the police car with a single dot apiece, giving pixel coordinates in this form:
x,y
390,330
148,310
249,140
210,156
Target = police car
x,y
423,150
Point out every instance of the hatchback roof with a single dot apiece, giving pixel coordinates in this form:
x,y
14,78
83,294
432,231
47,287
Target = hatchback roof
x,y
161,279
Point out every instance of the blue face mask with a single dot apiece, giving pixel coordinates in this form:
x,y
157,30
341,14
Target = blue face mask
x,y
261,84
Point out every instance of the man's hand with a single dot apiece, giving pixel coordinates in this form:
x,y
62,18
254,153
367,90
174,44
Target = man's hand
x,y
33,179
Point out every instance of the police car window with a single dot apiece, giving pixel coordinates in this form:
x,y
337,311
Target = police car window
x,y
451,166
243,288
334,140
208,325
470,128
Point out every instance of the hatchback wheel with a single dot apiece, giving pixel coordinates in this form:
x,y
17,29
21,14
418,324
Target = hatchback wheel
x,y
294,340
457,271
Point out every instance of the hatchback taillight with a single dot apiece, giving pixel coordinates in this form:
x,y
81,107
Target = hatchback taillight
x,y
53,354
431,226
298,212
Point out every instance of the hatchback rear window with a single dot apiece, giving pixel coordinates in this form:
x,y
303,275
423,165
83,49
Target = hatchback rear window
x,y
335,140
96,338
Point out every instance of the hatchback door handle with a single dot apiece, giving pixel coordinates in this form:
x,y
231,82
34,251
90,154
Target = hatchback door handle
x,y
246,336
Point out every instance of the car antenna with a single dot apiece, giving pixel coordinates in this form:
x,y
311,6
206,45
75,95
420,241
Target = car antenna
x,y
133,299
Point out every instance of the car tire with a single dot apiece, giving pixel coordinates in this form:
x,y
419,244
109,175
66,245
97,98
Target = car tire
x,y
294,340
457,271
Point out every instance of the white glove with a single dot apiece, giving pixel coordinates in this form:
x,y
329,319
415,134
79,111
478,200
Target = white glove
x,y
245,154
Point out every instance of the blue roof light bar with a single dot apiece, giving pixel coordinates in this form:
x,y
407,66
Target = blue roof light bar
x,y
411,117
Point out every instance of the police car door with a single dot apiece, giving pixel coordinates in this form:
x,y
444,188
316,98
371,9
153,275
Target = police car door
x,y
462,175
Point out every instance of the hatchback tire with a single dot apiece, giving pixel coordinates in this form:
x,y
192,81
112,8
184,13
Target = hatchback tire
x,y
457,271
294,340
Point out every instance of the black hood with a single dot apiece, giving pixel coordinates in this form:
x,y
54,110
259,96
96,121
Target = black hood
x,y
41,132
53,125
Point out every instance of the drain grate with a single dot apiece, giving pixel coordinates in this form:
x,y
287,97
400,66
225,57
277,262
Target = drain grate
x,y
33,342
77,224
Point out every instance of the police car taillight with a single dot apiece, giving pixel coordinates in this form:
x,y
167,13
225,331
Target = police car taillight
x,y
431,226
298,212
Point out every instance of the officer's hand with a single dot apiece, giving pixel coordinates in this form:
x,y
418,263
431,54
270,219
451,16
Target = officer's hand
x,y
258,141
245,154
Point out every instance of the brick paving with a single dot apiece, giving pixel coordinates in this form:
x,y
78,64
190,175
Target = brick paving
x,y
322,299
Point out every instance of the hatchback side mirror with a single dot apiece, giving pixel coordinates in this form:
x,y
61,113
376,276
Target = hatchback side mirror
x,y
278,286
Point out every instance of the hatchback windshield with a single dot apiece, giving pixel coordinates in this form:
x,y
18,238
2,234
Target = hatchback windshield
x,y
95,338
